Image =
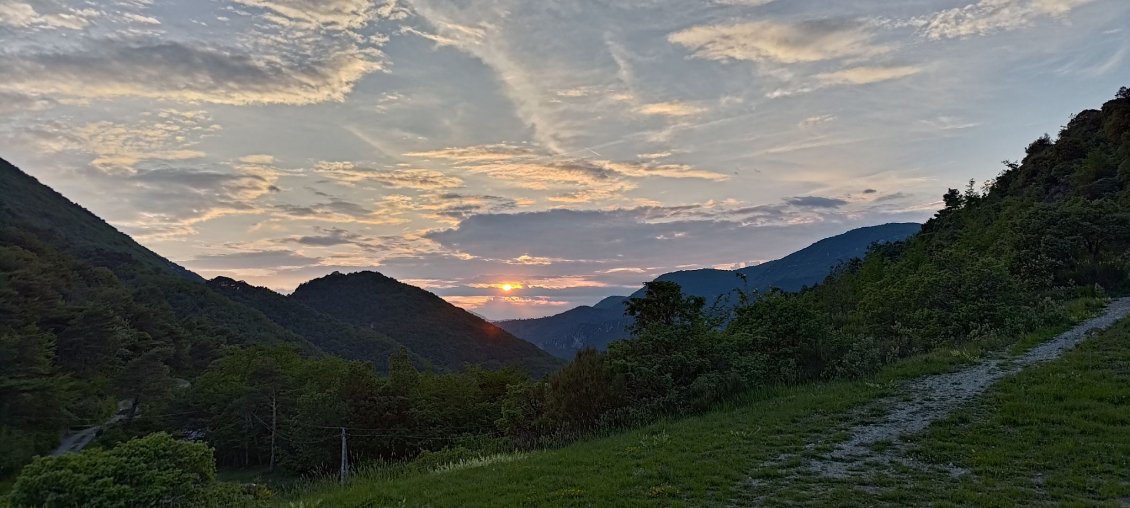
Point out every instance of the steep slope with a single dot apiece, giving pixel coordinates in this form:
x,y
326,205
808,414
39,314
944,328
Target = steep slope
x,y
582,327
89,317
322,330
35,210
443,333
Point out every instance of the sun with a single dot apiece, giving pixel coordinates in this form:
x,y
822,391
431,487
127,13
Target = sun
x,y
507,287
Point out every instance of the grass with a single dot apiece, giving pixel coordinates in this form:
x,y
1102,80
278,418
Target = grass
x,y
750,448
1056,434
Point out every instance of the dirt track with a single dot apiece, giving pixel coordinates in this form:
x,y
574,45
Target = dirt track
x,y
925,400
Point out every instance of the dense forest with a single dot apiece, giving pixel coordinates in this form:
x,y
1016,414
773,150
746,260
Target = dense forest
x,y
999,259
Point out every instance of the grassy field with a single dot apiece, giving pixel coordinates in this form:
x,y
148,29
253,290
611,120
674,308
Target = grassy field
x,y
709,459
1055,434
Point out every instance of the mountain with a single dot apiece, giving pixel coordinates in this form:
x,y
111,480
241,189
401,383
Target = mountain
x,y
89,317
34,211
322,330
806,267
564,334
443,333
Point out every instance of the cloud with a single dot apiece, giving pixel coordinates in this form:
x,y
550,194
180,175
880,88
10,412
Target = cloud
x,y
640,235
388,210
452,206
671,108
327,237
576,180
24,15
988,16
331,14
816,202
813,121
779,42
177,71
119,147
866,75
396,178
165,203
251,259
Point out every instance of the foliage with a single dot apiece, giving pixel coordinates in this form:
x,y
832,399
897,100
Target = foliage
x,y
252,394
156,470
706,458
663,304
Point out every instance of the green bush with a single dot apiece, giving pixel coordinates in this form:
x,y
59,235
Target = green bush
x,y
155,470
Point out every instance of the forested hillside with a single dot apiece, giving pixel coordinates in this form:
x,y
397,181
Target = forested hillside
x,y
595,327
90,317
322,330
425,323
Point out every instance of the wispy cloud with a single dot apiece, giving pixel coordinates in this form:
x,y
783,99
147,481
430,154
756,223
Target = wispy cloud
x,y
670,108
988,16
780,42
185,72
395,178
866,75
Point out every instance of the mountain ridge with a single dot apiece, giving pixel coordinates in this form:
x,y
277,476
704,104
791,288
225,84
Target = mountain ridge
x,y
596,326
447,335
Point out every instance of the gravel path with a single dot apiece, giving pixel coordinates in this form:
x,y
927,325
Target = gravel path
x,y
930,398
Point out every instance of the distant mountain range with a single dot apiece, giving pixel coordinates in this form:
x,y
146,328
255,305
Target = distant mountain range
x,y
582,327
363,316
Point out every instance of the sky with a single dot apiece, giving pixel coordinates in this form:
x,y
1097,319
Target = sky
x,y
520,158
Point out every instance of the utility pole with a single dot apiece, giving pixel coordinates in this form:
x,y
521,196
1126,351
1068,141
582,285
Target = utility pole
x,y
344,458
274,427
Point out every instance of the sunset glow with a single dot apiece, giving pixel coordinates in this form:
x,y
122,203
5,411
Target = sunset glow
x,y
580,150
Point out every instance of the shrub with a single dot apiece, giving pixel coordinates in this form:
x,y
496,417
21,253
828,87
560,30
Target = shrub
x,y
155,470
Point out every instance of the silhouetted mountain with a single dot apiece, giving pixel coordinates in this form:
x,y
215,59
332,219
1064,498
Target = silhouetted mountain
x,y
806,267
444,334
324,331
582,327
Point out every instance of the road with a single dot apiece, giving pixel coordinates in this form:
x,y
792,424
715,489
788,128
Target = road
x,y
76,441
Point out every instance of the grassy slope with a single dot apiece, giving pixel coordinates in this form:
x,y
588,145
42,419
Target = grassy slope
x,y
1054,434
703,460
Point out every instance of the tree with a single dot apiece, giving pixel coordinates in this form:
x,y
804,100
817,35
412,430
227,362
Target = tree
x,y
581,392
1123,93
31,392
663,304
145,377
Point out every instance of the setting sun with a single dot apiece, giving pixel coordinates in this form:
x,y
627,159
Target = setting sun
x,y
507,287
